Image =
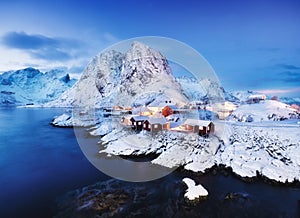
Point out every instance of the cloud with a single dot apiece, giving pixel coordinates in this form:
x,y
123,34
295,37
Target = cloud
x,y
288,66
43,47
21,40
292,77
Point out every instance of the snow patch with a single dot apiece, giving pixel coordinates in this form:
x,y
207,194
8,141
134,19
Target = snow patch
x,y
194,191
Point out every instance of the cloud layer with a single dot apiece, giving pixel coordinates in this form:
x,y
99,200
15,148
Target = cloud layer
x,y
43,47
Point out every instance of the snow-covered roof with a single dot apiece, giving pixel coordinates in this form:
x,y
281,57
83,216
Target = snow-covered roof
x,y
172,106
257,96
143,109
194,122
157,120
139,118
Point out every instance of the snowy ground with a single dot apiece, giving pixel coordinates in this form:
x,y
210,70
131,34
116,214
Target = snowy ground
x,y
268,148
272,150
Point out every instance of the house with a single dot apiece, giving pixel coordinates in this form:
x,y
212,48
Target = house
x,y
256,98
174,118
145,111
155,124
202,127
137,122
126,119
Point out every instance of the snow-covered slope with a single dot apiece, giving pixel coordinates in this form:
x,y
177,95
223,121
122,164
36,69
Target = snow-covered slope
x,y
140,75
268,110
205,90
242,96
98,81
201,90
30,86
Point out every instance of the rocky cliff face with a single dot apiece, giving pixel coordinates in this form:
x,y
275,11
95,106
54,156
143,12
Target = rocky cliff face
x,y
146,71
112,78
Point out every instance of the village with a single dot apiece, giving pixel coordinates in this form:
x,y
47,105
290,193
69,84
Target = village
x,y
198,117
167,117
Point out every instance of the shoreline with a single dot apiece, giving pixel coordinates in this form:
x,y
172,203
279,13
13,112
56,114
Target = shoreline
x,y
216,168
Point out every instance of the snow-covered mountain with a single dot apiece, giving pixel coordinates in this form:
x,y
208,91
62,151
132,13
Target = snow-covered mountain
x,y
141,75
97,84
204,90
241,96
30,86
290,100
147,71
268,110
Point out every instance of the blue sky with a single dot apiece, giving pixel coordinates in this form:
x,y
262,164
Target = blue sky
x,y
251,45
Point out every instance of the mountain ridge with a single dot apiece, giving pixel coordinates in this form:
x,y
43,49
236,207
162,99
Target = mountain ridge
x,y
31,86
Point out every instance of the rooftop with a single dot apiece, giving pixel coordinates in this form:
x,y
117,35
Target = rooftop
x,y
194,122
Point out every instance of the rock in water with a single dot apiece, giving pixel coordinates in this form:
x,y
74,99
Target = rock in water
x,y
194,192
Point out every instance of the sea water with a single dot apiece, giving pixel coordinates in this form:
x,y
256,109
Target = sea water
x,y
39,163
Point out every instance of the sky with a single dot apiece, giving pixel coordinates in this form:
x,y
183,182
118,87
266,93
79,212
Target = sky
x,y
251,45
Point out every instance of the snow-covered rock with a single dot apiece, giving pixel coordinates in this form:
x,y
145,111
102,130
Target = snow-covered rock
x,y
272,151
66,120
268,110
147,71
98,81
204,90
194,191
30,86
140,75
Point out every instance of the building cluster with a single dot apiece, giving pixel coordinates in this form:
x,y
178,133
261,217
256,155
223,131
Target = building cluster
x,y
165,117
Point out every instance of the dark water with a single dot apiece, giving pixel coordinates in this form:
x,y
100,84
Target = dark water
x,y
39,163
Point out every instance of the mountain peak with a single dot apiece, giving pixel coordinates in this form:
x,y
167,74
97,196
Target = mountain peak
x,y
139,50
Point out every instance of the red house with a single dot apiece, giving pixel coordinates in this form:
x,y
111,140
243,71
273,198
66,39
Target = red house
x,y
155,124
202,127
137,122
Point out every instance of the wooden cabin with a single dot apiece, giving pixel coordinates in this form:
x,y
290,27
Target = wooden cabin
x,y
155,124
126,120
201,127
137,122
256,98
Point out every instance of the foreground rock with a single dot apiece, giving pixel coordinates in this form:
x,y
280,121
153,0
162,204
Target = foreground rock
x,y
115,198
194,192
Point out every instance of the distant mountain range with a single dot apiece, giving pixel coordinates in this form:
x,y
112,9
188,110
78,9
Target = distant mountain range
x,y
140,76
31,86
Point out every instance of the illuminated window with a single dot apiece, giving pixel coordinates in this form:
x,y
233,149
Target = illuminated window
x,y
155,126
144,125
200,127
139,123
208,128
